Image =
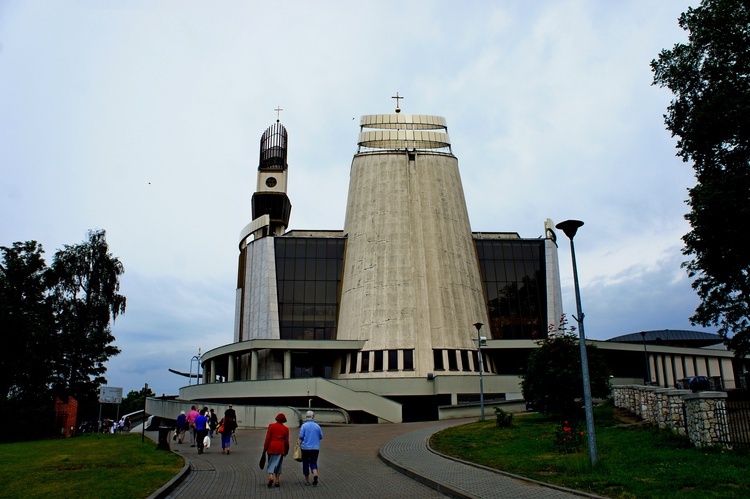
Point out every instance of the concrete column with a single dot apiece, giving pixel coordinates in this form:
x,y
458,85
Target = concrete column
x,y
253,365
287,364
230,367
212,377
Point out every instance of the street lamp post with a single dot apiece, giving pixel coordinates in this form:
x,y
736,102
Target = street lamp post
x,y
570,227
198,372
479,325
645,354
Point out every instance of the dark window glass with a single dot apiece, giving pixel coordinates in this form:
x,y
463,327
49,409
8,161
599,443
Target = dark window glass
x,y
452,361
303,278
286,333
408,360
365,362
311,249
480,249
393,360
437,359
320,270
353,363
514,282
465,360
475,358
378,361
343,364
299,249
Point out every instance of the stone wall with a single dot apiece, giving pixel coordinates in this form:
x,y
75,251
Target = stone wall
x,y
701,416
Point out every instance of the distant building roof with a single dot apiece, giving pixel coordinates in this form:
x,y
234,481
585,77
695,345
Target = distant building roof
x,y
673,337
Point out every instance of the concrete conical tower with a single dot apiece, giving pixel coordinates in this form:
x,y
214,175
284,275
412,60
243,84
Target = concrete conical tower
x,y
411,281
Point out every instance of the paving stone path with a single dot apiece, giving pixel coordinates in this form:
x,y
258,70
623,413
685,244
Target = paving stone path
x,y
368,461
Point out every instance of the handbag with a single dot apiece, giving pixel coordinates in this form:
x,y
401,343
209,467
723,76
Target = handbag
x,y
297,454
262,462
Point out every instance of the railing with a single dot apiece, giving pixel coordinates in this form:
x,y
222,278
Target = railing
x,y
738,417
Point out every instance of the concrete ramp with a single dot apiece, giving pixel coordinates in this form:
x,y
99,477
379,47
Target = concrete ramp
x,y
384,409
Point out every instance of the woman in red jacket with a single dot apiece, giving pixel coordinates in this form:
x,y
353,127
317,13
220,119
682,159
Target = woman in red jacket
x,y
277,446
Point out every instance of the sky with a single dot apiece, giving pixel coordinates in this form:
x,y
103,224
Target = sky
x,y
143,118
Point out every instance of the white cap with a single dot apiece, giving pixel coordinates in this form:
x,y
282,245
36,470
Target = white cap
x,y
309,415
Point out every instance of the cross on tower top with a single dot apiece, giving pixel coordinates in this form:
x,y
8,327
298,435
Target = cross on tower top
x,y
398,109
278,110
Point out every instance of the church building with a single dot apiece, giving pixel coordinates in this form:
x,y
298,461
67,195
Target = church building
x,y
405,314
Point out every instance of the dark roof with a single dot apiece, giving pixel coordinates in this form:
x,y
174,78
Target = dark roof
x,y
674,337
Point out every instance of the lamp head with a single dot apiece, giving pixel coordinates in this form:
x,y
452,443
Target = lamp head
x,y
478,325
569,227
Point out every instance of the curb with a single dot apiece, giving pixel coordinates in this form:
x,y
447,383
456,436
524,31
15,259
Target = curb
x,y
516,477
173,483
443,488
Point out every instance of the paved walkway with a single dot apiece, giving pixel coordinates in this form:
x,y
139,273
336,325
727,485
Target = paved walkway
x,y
372,461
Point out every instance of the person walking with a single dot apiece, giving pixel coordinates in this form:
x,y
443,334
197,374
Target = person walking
x,y
226,427
201,429
277,446
181,426
213,423
230,419
310,436
191,424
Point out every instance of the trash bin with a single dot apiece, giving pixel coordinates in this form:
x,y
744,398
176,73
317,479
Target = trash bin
x,y
164,437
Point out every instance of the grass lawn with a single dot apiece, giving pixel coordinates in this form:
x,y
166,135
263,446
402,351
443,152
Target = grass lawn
x,y
633,461
93,465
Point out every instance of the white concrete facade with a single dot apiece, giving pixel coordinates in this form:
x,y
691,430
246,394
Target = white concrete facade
x,y
411,276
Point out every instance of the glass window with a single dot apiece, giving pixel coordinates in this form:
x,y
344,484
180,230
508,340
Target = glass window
x,y
311,249
343,363
517,296
378,361
452,360
308,277
365,362
475,358
320,270
437,359
393,360
480,249
353,363
408,360
465,360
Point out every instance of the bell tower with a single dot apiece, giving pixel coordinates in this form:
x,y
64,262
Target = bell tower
x,y
270,196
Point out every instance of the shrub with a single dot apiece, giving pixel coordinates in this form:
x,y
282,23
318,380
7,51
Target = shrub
x,y
504,419
569,438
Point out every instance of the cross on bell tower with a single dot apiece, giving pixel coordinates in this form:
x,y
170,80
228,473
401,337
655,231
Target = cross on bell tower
x,y
398,109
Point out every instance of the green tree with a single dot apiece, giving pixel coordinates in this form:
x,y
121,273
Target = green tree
x,y
84,281
26,321
710,115
27,333
553,381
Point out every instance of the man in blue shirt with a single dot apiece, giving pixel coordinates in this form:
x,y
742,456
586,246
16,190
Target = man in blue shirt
x,y
201,429
310,436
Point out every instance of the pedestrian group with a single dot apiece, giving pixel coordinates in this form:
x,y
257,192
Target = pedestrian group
x,y
202,424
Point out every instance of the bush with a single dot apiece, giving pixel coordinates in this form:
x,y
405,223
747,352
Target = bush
x,y
504,419
569,438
